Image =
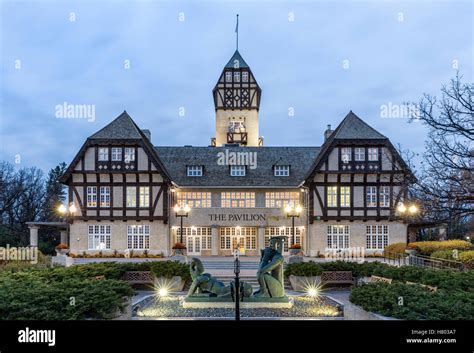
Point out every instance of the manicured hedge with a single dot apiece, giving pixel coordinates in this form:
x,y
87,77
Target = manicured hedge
x,y
417,302
428,247
170,269
466,257
446,279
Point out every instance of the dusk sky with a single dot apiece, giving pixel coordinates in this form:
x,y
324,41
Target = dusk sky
x,y
154,58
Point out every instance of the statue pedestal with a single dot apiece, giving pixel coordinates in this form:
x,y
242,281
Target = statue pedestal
x,y
227,303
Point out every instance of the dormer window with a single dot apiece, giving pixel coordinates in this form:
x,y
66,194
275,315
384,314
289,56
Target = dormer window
x,y
245,76
194,170
373,154
237,170
237,76
359,154
228,76
116,154
103,154
346,154
282,170
129,154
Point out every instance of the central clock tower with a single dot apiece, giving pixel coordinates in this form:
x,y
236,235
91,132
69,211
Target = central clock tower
x,y
237,101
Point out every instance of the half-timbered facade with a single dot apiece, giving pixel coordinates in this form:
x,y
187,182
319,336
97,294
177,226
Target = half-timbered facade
x,y
346,190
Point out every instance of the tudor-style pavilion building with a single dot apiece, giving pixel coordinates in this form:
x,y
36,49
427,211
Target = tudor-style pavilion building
x,y
124,188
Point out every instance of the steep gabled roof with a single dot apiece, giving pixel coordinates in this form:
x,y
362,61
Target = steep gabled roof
x,y
353,127
232,62
122,127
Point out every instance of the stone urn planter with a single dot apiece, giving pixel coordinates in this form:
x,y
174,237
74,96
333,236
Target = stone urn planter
x,y
62,251
179,251
295,251
173,284
301,283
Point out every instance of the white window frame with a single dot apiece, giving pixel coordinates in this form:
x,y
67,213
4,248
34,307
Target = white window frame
x,y
384,196
98,237
245,76
359,154
205,233
345,196
279,199
282,170
194,199
103,154
131,197
129,154
377,237
373,154
284,232
238,170
231,199
236,76
228,76
104,197
144,196
138,237
194,170
371,196
91,196
337,237
116,153
346,151
331,199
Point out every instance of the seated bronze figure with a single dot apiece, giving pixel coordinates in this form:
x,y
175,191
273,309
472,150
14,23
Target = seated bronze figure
x,y
270,272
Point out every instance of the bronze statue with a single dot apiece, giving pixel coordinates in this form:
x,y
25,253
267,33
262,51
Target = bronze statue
x,y
270,272
204,285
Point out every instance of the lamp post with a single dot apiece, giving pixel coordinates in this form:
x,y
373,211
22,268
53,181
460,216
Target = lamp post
x,y
181,212
407,211
237,285
67,212
293,212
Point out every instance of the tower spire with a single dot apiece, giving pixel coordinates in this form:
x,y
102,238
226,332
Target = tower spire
x,y
237,33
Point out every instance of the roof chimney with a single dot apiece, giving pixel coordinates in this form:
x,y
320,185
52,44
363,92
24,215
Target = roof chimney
x,y
147,133
328,132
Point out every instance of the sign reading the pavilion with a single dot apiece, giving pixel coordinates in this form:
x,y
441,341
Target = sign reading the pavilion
x,y
237,217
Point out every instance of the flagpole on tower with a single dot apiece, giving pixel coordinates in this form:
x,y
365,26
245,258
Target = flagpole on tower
x,y
237,32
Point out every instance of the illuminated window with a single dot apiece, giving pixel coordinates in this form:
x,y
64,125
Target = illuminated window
x,y
280,199
144,196
245,76
377,237
92,196
237,199
131,196
138,237
98,237
283,232
236,76
332,196
105,196
228,76
345,196
337,237
194,199
103,154
231,238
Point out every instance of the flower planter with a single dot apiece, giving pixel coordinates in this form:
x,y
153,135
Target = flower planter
x,y
62,251
179,251
410,251
173,284
301,283
295,251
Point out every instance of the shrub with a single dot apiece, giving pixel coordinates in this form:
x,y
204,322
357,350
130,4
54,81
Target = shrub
x,y
428,247
467,258
418,302
305,269
170,269
397,248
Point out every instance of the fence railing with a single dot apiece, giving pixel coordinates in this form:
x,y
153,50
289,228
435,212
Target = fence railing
x,y
421,261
